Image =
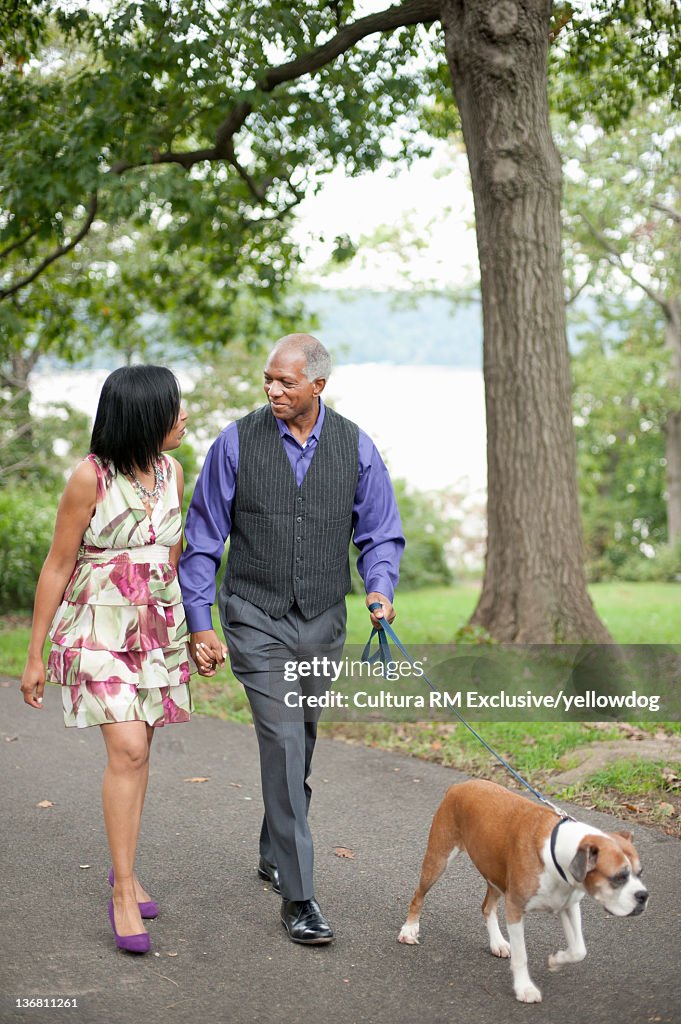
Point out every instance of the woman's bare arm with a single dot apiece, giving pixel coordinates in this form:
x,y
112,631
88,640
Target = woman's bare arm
x,y
176,549
75,511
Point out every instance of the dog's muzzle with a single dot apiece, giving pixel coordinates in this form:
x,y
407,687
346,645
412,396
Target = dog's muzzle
x,y
641,903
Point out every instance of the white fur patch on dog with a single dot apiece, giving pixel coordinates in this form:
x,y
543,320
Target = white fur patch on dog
x,y
409,934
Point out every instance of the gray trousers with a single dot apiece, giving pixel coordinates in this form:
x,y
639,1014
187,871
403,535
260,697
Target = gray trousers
x,y
260,650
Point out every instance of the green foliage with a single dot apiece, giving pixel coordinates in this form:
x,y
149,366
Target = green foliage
x,y
424,563
620,404
622,236
119,92
621,193
665,567
608,55
26,525
39,449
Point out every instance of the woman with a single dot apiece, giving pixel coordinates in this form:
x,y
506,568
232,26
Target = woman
x,y
109,595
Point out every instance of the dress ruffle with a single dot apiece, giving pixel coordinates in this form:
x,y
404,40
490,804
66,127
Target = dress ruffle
x,y
96,703
69,666
119,627
121,581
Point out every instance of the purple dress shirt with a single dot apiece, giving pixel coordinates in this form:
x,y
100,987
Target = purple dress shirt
x,y
377,530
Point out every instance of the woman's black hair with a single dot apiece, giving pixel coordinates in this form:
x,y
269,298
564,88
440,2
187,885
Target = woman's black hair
x,y
138,407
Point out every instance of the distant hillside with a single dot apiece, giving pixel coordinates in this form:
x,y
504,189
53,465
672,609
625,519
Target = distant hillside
x,y
369,327
388,327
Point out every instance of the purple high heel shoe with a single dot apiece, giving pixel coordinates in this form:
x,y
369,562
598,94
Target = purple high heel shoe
x,y
148,910
140,943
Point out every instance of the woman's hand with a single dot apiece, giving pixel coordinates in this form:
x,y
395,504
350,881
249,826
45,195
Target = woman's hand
x,y
207,651
33,682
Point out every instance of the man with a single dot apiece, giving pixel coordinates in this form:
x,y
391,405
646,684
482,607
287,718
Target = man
x,y
290,484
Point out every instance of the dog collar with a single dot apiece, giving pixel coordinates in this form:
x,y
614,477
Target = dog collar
x,y
554,838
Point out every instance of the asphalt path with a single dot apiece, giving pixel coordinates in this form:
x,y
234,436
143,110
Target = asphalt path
x,y
220,953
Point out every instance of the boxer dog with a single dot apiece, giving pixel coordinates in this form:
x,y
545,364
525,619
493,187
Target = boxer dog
x,y
537,861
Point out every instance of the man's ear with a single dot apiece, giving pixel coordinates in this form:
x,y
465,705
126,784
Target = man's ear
x,y
318,385
584,860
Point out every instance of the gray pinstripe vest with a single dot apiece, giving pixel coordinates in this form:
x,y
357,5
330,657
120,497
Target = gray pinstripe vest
x,y
288,543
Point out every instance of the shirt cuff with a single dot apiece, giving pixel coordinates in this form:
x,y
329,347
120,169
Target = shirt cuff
x,y
382,584
199,618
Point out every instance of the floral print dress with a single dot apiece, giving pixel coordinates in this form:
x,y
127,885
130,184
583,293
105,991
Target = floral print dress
x,y
119,637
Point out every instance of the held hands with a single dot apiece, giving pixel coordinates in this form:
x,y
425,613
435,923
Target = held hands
x,y
385,611
33,682
207,651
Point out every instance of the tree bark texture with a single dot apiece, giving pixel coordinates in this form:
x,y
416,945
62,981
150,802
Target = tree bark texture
x,y
672,427
534,589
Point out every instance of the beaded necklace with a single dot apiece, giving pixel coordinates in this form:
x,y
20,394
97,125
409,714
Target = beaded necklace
x,y
145,494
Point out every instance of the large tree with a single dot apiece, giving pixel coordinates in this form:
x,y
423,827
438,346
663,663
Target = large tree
x,y
251,96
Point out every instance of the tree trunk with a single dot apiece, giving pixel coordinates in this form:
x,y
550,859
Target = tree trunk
x,y
16,423
534,589
672,427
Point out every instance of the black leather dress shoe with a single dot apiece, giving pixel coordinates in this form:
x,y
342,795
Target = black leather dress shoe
x,y
304,922
270,872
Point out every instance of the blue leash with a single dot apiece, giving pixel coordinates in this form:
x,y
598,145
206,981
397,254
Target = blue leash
x,y
382,654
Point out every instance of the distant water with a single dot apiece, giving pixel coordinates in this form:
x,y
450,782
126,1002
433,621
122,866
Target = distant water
x,y
428,422
396,328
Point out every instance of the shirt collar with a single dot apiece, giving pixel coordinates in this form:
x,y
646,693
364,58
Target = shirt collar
x,y
315,432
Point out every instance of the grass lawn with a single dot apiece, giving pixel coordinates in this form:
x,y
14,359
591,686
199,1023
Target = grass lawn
x,y
646,613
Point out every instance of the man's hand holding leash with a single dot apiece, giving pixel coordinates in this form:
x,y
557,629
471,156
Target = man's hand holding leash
x,y
385,611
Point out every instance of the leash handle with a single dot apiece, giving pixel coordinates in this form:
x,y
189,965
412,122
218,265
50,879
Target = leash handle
x,y
382,653
385,633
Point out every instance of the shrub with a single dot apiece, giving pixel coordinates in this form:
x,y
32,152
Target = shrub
x,y
26,525
665,567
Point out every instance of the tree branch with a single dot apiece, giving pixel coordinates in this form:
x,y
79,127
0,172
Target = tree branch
x,y
19,242
60,251
257,191
614,257
576,292
674,214
412,12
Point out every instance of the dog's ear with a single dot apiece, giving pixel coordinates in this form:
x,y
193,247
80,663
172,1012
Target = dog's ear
x,y
629,836
584,860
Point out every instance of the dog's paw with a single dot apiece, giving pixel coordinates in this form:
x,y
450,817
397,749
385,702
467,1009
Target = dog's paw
x,y
409,935
501,948
528,994
562,957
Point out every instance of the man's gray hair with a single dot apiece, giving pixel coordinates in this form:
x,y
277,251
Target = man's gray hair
x,y
317,360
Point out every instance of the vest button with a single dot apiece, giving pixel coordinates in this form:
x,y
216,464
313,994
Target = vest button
x,y
297,578
299,519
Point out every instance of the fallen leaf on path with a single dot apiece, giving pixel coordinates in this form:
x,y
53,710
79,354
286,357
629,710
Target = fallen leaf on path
x,y
341,851
237,785
634,808
45,803
198,778
671,778
632,732
10,739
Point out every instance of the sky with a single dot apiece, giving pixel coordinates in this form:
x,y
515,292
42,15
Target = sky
x,y
431,201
